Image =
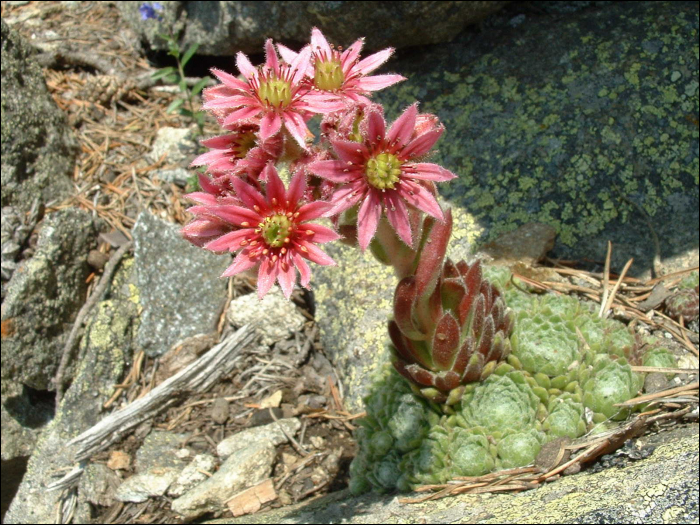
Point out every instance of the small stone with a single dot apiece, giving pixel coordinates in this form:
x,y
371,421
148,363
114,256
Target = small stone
x,y
150,484
271,433
527,244
119,460
158,451
97,260
98,485
193,474
219,410
317,441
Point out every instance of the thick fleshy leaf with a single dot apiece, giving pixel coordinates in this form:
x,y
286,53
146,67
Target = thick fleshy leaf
x,y
452,292
478,316
449,270
486,340
401,130
473,277
474,368
372,62
401,346
432,255
418,196
333,170
486,291
446,381
244,65
465,309
445,342
270,125
463,355
420,375
241,263
404,300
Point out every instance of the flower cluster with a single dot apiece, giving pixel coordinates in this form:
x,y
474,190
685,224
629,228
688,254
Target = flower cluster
x,y
358,172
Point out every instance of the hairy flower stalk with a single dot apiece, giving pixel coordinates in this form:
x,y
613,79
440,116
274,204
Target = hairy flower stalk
x,y
451,326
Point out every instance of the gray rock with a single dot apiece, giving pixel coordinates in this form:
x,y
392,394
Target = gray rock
x,y
276,317
180,289
105,347
528,244
224,28
159,451
193,474
586,123
149,484
38,147
177,176
42,300
174,145
662,488
249,466
272,433
98,484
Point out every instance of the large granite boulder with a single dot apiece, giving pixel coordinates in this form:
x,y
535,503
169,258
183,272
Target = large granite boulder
x,y
224,28
43,299
588,123
38,148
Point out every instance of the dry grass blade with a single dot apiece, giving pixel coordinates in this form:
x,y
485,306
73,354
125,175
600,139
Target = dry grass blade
x,y
660,396
608,303
606,281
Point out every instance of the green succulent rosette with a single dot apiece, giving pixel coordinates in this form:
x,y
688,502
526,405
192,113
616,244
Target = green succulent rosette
x,y
611,382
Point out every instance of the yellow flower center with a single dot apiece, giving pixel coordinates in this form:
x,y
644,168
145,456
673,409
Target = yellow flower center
x,y
242,144
275,230
328,75
383,171
275,92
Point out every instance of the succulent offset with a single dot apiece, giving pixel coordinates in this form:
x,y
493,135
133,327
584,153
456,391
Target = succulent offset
x,y
451,326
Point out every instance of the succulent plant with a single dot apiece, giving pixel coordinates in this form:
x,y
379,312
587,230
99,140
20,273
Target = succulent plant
x,y
659,357
611,382
451,326
565,418
684,303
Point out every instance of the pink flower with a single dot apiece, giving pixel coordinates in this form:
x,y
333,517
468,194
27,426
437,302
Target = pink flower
x,y
239,153
383,173
271,231
272,95
342,73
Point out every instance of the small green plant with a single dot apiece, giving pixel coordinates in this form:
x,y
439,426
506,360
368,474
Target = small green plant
x,y
183,105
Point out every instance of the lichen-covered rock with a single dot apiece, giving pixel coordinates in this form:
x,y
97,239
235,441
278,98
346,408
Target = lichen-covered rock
x,y
38,147
224,28
106,346
574,123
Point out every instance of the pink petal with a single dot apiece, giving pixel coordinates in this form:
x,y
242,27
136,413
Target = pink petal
x,y
233,214
275,187
402,128
422,144
230,241
313,210
418,196
397,214
229,80
249,195
368,219
319,102
218,142
206,158
321,233
334,170
350,151
372,62
244,113
300,65
244,65
296,127
241,263
378,82
376,127
297,187
319,43
271,59
287,54
267,274
232,101
304,270
206,184
427,171
287,278
269,125
315,254
350,55
345,198
202,198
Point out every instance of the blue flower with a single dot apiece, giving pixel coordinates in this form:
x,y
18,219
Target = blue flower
x,y
149,11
